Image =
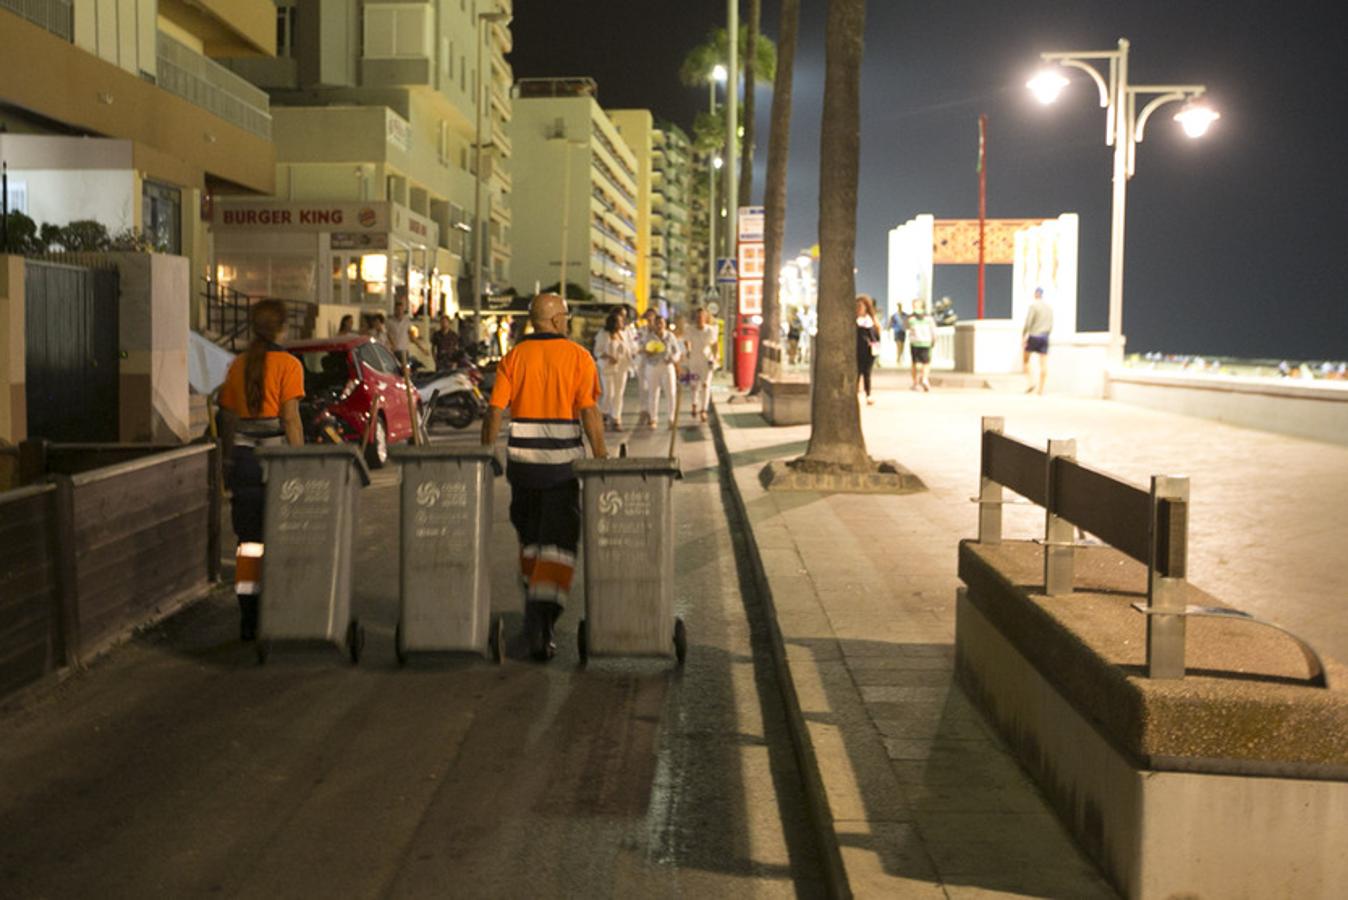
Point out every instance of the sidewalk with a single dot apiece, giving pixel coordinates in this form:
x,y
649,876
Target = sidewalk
x,y
922,798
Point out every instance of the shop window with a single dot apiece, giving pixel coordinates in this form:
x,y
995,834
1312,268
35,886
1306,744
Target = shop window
x,y
161,216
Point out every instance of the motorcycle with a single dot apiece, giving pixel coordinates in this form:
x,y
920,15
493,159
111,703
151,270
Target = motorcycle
x,y
454,398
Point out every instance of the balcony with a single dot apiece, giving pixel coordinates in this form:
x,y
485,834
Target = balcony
x,y
57,16
206,83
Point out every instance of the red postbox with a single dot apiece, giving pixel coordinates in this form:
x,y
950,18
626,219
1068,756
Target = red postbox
x,y
746,351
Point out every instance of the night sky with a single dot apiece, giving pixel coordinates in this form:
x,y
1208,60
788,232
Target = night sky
x,y
1235,243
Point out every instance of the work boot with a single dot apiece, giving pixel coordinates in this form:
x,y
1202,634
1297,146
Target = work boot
x,y
540,618
248,604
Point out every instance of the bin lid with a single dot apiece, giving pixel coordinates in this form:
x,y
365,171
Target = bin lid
x,y
348,452
628,465
471,453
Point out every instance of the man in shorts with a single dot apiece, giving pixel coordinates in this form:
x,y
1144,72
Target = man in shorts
x,y
921,335
1038,324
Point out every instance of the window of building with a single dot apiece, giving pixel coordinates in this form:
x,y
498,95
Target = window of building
x,y
17,196
443,148
463,74
161,216
397,30
285,28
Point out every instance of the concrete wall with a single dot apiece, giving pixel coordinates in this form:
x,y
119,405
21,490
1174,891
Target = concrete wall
x,y
152,331
13,360
1317,410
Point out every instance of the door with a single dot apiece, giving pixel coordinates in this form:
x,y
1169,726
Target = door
x,y
70,330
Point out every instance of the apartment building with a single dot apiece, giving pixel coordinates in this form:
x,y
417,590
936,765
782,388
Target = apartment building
x,y
637,129
670,216
576,205
378,107
119,111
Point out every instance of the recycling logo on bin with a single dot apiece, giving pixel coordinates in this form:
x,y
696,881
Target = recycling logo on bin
x,y
305,506
623,519
443,507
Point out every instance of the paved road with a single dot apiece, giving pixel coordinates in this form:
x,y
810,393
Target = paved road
x,y
178,767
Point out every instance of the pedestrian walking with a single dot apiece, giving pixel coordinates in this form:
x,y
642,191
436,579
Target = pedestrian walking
x,y
700,343
259,404
868,342
400,333
898,328
613,352
921,335
1038,324
551,387
377,331
661,355
793,333
445,344
643,335
347,325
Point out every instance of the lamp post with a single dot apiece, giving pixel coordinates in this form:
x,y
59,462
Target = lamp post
x,y
732,119
1125,127
483,19
714,164
567,144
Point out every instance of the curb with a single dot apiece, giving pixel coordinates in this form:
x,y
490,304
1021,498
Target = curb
x,y
816,799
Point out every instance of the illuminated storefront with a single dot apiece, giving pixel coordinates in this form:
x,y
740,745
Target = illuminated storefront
x,y
341,253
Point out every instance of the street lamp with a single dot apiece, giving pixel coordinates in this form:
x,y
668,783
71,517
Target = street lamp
x,y
1124,130
568,145
496,18
716,164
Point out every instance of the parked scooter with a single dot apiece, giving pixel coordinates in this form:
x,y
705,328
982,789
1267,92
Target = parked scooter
x,y
454,398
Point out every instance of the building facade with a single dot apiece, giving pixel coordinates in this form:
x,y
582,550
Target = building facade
x,y
381,187
670,217
637,129
577,192
120,112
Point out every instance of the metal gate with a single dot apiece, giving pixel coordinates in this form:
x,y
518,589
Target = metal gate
x,y
72,352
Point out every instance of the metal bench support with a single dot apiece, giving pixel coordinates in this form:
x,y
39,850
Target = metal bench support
x,y
1059,535
1166,572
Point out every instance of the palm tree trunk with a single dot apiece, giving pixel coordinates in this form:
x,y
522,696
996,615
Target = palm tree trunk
x,y
835,434
746,185
774,193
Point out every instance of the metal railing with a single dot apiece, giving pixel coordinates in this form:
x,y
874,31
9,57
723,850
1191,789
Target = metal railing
x,y
1149,525
206,83
56,16
227,315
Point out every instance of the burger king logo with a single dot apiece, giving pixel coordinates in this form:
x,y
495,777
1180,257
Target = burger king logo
x,y
366,217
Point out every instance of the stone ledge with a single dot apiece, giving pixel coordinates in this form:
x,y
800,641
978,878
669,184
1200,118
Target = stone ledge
x,y
892,478
1244,709
786,401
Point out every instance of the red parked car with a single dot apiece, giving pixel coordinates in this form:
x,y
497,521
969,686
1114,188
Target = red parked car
x,y
342,377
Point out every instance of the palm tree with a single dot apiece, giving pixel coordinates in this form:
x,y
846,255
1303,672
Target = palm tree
x,y
774,191
836,440
709,130
746,186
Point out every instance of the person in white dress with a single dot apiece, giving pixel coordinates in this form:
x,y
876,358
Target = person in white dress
x,y
661,354
700,340
613,351
642,330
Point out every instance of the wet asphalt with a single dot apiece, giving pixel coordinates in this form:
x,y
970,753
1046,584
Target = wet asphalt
x,y
179,767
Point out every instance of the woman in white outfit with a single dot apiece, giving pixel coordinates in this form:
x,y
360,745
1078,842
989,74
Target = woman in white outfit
x,y
700,340
661,354
614,353
640,332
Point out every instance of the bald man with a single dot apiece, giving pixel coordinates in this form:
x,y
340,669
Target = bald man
x,y
551,387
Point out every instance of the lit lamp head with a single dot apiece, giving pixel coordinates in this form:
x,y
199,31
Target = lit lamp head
x,y
717,162
1196,118
719,74
1047,85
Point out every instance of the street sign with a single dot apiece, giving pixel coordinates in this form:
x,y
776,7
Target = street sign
x,y
751,223
752,259
751,298
726,270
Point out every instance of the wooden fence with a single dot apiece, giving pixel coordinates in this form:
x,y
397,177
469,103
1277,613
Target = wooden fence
x,y
98,550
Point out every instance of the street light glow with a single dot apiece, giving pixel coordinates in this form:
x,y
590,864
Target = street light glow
x,y
719,74
1196,119
1047,85
717,162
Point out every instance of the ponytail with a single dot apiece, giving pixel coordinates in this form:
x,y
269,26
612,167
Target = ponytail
x,y
268,319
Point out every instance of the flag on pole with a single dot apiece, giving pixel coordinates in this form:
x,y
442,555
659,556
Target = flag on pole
x,y
981,137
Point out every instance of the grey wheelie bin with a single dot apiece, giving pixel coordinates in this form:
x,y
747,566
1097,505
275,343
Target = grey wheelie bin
x,y
310,519
629,558
446,502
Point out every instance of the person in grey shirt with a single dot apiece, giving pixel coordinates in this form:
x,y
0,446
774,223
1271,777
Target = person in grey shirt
x,y
1038,324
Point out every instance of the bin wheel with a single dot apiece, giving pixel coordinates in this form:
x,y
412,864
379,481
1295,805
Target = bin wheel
x,y
496,637
680,640
398,649
355,641
263,651
583,641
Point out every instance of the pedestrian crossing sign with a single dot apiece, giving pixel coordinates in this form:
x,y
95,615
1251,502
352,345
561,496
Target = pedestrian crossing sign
x,y
726,270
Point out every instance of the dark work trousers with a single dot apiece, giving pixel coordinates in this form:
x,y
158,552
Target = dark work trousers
x,y
547,521
249,495
865,362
